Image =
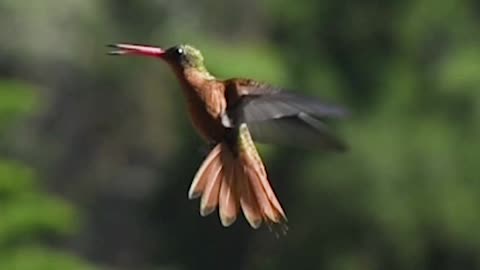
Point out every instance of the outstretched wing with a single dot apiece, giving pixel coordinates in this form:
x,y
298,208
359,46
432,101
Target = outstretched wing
x,y
275,116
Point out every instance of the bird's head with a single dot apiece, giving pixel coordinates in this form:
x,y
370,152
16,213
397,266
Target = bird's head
x,y
179,56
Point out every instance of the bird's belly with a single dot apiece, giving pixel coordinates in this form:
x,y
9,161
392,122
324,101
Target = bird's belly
x,y
207,124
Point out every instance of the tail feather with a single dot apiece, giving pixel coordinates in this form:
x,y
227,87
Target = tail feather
x,y
205,173
270,207
270,194
260,196
228,198
234,182
209,199
248,201
268,210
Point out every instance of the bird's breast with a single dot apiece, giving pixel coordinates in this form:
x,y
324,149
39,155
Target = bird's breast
x,y
205,107
206,102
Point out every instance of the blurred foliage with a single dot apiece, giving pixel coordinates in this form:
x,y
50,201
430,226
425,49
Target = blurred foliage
x,y
29,215
114,136
16,99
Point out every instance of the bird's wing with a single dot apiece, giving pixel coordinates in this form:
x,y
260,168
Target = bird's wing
x,y
275,116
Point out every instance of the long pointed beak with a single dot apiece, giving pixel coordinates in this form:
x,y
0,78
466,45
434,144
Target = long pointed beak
x,y
143,50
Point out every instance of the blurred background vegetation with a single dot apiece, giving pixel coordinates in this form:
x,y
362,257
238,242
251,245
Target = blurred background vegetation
x,y
97,154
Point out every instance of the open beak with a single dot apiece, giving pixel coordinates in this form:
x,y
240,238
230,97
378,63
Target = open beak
x,y
121,49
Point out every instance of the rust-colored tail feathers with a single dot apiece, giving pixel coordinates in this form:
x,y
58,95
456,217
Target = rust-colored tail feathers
x,y
236,182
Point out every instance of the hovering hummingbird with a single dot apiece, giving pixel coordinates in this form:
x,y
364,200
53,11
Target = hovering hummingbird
x,y
232,114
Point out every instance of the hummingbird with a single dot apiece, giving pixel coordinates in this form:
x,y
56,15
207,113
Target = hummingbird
x,y
231,115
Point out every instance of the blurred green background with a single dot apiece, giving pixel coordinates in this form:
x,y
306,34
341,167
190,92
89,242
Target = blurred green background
x,y
97,154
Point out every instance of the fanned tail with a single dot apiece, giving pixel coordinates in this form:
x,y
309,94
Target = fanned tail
x,y
233,178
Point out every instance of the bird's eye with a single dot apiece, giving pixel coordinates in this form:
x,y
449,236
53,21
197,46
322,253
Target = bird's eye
x,y
179,51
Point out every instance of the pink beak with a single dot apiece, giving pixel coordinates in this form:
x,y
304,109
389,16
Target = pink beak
x,y
136,50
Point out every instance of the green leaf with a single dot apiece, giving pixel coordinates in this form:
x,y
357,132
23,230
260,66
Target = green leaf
x,y
39,258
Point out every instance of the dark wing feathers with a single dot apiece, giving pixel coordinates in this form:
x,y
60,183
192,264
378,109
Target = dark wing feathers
x,y
279,104
275,116
295,131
